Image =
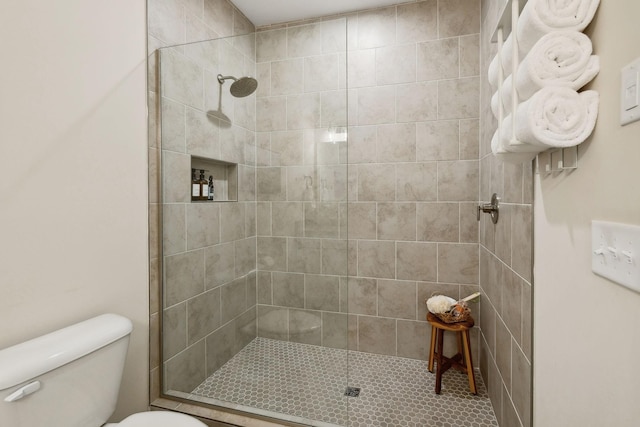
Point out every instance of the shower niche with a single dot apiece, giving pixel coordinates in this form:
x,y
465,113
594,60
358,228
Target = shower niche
x,y
224,176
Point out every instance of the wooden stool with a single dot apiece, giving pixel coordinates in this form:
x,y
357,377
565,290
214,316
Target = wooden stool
x,y
464,350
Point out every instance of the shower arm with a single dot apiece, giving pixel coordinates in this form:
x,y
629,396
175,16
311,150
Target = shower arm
x,y
222,78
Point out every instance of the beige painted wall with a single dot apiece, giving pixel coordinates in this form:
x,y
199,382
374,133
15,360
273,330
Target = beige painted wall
x,y
586,337
73,173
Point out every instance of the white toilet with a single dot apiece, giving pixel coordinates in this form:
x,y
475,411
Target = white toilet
x,y
71,378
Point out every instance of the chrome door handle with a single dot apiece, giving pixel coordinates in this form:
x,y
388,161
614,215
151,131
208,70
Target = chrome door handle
x,y
492,208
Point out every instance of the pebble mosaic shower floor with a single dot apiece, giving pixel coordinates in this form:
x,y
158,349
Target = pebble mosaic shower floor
x,y
307,383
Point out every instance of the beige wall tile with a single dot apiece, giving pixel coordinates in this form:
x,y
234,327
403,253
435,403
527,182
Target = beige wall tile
x,y
503,352
174,325
333,110
469,225
458,17
286,148
271,184
219,264
202,134
321,220
271,113
459,99
182,79
303,111
273,322
184,276
322,292
416,182
437,140
376,105
450,177
272,253
396,64
334,35
186,370
521,232
396,221
300,183
470,55
377,28
416,261
376,182
417,21
173,125
304,40
233,299
305,326
438,222
334,256
362,144
271,45
288,289
177,177
203,315
264,288
362,220
396,143
469,139
376,259
521,385
334,330
287,76
287,219
361,65
245,254
362,296
166,21
377,335
413,339
321,73
203,225
397,299
417,102
174,230
304,255
232,221
438,59
458,263
218,14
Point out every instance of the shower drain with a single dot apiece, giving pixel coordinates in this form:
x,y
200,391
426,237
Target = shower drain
x,y
352,391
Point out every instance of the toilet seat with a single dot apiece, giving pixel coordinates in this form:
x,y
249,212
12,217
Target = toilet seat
x,y
159,419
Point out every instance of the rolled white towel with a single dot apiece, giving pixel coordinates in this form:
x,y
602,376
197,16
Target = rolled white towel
x,y
508,156
553,117
507,90
494,75
540,17
560,58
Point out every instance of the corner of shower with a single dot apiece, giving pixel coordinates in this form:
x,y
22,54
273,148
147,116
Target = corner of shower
x,y
253,258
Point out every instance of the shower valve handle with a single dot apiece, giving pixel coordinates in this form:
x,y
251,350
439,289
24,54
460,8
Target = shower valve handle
x,y
492,208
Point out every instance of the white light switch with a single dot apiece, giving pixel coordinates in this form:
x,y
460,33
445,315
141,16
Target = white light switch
x,y
615,252
630,93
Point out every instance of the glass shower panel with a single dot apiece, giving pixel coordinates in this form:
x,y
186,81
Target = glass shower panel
x,y
255,313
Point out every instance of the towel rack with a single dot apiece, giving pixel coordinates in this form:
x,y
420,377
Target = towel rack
x,y
550,161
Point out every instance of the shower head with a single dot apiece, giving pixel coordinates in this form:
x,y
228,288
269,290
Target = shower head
x,y
244,86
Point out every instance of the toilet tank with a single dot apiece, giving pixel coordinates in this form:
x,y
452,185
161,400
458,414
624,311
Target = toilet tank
x,y
68,378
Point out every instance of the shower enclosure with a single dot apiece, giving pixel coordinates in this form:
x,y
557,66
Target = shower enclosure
x,y
262,265
302,283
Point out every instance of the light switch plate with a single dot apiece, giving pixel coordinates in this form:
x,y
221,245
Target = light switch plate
x,y
615,252
630,93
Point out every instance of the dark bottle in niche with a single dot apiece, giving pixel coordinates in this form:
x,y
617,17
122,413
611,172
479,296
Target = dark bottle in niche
x,y
204,186
211,189
195,186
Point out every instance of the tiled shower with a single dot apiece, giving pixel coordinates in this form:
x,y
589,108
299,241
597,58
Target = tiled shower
x,y
329,242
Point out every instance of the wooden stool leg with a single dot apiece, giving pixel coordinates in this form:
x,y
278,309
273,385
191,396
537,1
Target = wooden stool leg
x,y
432,347
440,362
469,362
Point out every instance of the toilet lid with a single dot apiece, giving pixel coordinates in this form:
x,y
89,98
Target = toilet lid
x,y
160,419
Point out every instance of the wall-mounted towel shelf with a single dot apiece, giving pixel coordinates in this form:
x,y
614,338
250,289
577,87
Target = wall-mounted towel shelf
x,y
544,58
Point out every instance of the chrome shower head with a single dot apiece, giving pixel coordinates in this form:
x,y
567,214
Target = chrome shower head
x,y
244,86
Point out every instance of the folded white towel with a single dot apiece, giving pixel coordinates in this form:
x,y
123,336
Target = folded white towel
x,y
553,117
540,17
560,58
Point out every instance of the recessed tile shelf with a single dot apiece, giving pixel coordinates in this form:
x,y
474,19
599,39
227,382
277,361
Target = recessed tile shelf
x,y
225,178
